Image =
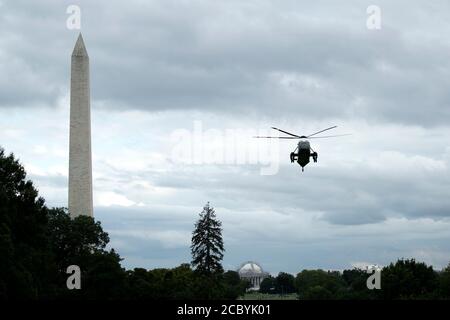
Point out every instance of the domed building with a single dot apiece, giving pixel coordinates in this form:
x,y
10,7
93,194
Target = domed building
x,y
253,273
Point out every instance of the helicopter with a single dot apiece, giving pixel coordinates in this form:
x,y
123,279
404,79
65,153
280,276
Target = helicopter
x,y
303,152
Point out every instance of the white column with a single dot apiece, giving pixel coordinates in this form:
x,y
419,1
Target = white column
x,y
80,162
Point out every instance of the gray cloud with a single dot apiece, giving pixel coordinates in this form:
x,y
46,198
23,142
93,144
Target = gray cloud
x,y
285,59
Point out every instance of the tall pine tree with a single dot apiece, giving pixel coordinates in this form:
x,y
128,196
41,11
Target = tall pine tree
x,y
207,244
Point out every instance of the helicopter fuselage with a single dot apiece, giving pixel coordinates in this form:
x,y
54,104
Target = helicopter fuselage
x,y
303,154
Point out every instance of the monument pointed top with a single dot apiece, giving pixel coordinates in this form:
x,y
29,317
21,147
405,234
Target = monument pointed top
x,y
80,49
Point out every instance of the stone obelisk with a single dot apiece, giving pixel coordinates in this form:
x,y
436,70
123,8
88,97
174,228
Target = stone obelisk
x,y
80,159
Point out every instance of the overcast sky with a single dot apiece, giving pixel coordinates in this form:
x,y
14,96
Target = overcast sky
x,y
180,87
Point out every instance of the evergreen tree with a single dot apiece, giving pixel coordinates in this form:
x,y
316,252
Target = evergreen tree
x,y
207,244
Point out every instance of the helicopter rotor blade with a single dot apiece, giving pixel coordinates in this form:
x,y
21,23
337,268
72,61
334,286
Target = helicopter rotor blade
x,y
291,134
321,131
337,135
275,137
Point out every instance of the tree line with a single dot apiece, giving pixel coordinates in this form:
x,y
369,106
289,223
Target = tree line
x,y
404,279
38,243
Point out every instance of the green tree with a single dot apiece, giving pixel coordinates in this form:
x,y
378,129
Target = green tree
x,y
285,283
141,284
408,279
233,285
444,283
308,282
207,244
267,285
72,240
181,282
317,293
81,241
27,268
37,245
356,286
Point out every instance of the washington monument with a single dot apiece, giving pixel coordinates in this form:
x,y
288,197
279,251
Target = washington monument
x,y
80,159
